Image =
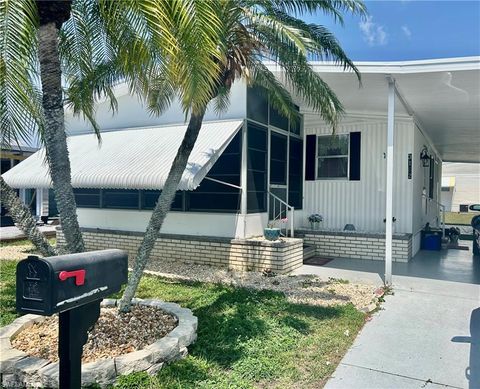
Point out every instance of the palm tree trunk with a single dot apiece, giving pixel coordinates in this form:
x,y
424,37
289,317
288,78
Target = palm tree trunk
x,y
161,208
23,218
54,134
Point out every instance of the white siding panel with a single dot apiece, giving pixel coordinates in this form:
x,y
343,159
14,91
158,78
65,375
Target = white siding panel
x,y
424,211
362,203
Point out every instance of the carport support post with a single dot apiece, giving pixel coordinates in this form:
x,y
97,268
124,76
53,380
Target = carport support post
x,y
389,189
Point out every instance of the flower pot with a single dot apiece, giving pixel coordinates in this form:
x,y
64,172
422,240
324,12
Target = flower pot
x,y
271,233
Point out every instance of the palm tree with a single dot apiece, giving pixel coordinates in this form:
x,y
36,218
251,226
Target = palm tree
x,y
252,31
25,220
92,44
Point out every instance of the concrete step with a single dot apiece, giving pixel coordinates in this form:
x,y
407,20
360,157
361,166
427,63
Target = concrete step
x,y
308,251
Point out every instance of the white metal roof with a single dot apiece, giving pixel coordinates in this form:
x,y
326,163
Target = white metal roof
x,y
130,159
443,96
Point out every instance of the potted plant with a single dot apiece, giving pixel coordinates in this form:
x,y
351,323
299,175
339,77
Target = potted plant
x,y
315,219
272,232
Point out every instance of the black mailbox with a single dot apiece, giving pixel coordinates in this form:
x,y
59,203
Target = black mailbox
x,y
56,284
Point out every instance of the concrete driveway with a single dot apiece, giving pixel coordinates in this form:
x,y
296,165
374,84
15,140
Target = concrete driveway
x,y
427,334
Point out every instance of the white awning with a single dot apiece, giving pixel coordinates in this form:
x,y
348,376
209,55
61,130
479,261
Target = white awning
x,y
137,158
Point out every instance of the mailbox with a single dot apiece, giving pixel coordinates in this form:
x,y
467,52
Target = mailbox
x,y
56,284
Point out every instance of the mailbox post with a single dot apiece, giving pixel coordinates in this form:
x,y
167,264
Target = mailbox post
x,y
73,286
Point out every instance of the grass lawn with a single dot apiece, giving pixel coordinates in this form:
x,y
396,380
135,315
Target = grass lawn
x,y
459,218
246,339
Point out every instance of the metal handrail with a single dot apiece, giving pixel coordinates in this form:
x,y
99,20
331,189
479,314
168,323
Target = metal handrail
x,y
442,207
279,215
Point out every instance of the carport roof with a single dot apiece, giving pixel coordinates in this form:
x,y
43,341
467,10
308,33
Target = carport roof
x,y
443,95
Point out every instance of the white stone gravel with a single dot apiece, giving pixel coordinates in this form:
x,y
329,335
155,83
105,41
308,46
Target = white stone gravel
x,y
114,334
305,289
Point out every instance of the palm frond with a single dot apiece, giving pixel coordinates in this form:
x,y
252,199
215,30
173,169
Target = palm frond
x,y
20,99
321,43
280,97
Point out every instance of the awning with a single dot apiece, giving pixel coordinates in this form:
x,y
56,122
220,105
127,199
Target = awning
x,y
137,158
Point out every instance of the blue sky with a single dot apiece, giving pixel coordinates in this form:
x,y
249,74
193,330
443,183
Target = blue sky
x,y
410,29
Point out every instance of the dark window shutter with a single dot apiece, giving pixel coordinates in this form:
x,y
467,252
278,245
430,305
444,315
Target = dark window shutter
x,y
310,157
355,149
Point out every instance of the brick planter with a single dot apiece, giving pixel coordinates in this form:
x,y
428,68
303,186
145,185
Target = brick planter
x,y
282,256
357,245
18,370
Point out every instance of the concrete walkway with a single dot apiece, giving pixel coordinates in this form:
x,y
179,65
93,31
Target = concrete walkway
x,y
14,233
427,334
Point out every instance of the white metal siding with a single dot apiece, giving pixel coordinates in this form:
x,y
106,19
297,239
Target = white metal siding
x,y
362,203
423,210
133,113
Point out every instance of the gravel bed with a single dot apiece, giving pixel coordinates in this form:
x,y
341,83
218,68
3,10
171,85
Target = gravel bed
x,y
114,334
16,251
304,289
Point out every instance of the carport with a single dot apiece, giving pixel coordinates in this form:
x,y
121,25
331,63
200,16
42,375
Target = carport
x,y
442,97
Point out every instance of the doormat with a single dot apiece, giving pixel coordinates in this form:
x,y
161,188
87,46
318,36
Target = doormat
x,y
452,247
317,261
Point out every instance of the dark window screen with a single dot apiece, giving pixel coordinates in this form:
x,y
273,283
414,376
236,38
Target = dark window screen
x,y
87,198
295,174
278,159
121,198
215,196
257,104
150,197
277,119
257,168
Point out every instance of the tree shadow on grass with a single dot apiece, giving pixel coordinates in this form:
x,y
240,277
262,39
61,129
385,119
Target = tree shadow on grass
x,y
240,315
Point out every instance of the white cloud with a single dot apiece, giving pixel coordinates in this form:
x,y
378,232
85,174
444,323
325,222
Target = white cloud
x,y
407,31
374,34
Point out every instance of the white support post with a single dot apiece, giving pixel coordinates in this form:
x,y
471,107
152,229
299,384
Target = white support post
x,y
389,189
292,222
243,180
38,203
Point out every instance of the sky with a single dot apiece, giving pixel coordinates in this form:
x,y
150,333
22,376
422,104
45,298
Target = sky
x,y
409,29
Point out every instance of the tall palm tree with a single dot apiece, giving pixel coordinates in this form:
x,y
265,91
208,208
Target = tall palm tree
x,y
92,44
252,31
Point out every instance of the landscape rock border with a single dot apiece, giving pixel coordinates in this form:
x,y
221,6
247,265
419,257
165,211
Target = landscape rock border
x,y
18,370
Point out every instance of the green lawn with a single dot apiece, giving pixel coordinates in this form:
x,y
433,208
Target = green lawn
x,y
246,338
459,218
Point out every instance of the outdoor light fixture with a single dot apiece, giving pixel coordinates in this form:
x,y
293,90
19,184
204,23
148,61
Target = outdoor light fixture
x,y
424,157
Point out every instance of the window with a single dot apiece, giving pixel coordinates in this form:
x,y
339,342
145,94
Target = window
x,y
257,104
149,199
260,110
216,197
257,168
87,198
295,173
277,119
121,198
278,159
332,157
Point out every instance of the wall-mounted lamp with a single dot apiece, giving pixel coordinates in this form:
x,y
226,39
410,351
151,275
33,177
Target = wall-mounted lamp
x,y
424,157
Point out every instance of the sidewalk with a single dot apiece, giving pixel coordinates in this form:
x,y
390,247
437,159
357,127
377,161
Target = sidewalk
x,y
427,334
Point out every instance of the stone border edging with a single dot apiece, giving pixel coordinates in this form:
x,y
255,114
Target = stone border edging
x,y
17,369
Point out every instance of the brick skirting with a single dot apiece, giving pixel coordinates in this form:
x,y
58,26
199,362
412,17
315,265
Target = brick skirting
x,y
357,245
238,254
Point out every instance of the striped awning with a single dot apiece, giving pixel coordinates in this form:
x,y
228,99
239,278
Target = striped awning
x,y
137,158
